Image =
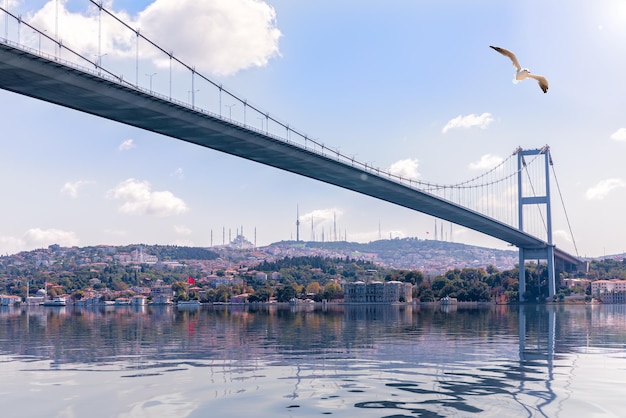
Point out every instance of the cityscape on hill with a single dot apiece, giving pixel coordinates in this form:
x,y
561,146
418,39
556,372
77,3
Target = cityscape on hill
x,y
429,256
239,271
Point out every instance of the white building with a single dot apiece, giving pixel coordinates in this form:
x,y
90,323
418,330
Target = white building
x,y
161,293
10,300
599,287
378,292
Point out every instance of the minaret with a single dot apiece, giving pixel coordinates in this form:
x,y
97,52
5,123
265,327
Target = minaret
x,y
297,223
335,226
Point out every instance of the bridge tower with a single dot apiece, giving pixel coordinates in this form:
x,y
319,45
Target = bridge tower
x,y
543,253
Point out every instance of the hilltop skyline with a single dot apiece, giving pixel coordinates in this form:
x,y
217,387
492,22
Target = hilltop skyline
x,y
411,87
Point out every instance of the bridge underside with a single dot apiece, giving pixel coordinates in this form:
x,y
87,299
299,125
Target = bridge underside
x,y
51,81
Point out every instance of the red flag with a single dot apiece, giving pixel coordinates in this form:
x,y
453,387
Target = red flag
x,y
191,280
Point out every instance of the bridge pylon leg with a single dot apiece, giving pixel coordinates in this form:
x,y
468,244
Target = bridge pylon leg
x,y
546,253
522,275
551,272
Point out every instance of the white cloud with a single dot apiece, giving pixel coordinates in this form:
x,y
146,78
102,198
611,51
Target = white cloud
x,y
619,135
39,238
562,236
319,216
11,245
405,168
469,121
219,36
603,188
126,145
486,162
141,200
71,187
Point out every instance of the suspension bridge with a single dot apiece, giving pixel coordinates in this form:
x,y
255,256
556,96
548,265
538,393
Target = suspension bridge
x,y
510,202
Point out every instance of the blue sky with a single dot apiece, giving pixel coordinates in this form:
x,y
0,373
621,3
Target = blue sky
x,y
377,80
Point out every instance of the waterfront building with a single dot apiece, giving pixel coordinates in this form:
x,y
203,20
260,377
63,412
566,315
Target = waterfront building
x,y
35,300
239,299
354,292
161,293
378,292
613,297
122,301
600,287
162,300
10,300
396,291
138,300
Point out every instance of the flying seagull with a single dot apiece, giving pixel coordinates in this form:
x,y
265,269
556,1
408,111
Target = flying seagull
x,y
522,73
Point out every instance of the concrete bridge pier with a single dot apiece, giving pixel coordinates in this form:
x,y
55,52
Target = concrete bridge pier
x,y
547,254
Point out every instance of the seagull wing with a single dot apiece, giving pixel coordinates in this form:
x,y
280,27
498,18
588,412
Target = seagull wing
x,y
509,54
543,82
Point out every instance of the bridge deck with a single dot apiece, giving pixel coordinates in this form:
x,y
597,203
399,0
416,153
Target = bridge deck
x,y
35,76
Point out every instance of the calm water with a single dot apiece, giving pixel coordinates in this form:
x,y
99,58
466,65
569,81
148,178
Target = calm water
x,y
342,361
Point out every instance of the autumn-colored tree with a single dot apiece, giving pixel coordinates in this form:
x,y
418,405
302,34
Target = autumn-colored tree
x,y
313,288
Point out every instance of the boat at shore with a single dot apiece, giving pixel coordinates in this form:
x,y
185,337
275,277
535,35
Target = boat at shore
x,y
188,303
56,301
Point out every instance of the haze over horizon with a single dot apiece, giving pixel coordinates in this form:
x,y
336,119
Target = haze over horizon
x,y
407,86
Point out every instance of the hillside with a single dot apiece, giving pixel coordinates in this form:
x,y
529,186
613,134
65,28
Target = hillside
x,y
431,257
407,253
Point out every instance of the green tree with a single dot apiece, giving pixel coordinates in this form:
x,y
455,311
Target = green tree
x,y
313,288
332,291
264,294
285,293
77,295
438,283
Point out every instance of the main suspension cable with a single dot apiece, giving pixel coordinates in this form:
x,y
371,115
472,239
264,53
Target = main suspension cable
x,y
569,226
